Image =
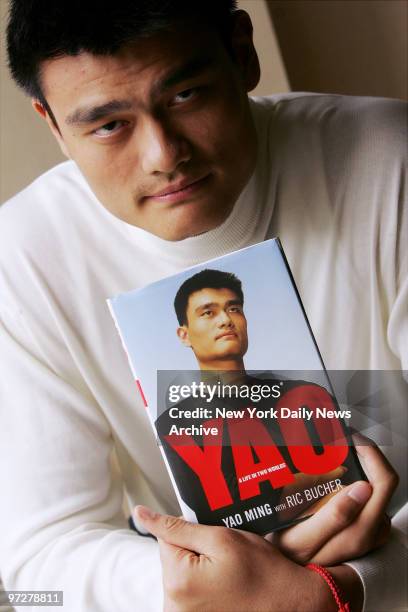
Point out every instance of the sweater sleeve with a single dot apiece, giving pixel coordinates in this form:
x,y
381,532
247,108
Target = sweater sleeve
x,y
384,572
61,521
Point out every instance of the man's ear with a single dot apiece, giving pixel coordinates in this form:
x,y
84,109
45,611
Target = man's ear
x,y
243,49
39,108
182,333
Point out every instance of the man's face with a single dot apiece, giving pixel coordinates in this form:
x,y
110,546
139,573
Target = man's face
x,y
162,130
216,327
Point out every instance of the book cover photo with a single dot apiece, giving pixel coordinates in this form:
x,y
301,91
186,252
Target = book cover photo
x,y
236,391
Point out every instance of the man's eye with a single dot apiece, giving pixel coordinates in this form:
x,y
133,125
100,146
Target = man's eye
x,y
206,313
109,128
184,96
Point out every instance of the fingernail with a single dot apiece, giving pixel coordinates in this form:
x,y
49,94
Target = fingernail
x,y
360,440
144,513
360,492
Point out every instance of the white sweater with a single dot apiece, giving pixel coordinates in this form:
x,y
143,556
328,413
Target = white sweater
x,y
329,182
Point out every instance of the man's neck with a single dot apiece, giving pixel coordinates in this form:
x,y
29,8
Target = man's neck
x,y
224,367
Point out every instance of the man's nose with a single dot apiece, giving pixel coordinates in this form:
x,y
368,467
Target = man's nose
x,y
224,320
162,149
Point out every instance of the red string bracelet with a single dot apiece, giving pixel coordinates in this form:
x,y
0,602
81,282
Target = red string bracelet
x,y
322,571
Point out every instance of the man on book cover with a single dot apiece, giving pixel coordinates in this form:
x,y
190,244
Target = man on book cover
x,y
170,163
210,311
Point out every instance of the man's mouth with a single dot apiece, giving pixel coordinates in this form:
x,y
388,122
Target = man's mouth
x,y
230,334
179,190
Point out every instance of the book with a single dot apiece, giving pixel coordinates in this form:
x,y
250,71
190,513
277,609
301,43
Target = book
x,y
236,391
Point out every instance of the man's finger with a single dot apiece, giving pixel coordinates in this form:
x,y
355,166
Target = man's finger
x,y
384,480
177,531
303,481
339,512
171,554
383,531
380,473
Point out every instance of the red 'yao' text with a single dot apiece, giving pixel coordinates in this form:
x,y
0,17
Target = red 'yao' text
x,y
246,434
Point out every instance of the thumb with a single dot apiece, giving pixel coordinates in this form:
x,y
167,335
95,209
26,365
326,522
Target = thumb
x,y
339,512
176,531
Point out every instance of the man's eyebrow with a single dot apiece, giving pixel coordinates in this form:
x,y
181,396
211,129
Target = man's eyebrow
x,y
186,71
236,302
90,114
205,306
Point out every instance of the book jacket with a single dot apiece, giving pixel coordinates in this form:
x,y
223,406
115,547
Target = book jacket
x,y
236,391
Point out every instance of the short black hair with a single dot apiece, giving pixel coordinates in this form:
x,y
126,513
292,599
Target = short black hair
x,y
44,29
206,279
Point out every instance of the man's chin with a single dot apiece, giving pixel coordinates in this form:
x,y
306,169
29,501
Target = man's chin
x,y
177,229
185,220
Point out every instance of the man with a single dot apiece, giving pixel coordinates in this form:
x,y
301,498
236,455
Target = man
x,y
209,309
172,165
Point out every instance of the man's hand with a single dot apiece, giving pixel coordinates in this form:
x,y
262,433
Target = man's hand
x,y
215,568
352,523
218,569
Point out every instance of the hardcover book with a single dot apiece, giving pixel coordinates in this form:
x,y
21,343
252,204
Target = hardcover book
x,y
236,391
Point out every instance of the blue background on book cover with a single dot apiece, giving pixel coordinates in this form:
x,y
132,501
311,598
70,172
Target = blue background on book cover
x,y
279,338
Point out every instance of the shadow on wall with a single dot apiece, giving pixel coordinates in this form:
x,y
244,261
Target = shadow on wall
x,y
338,46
